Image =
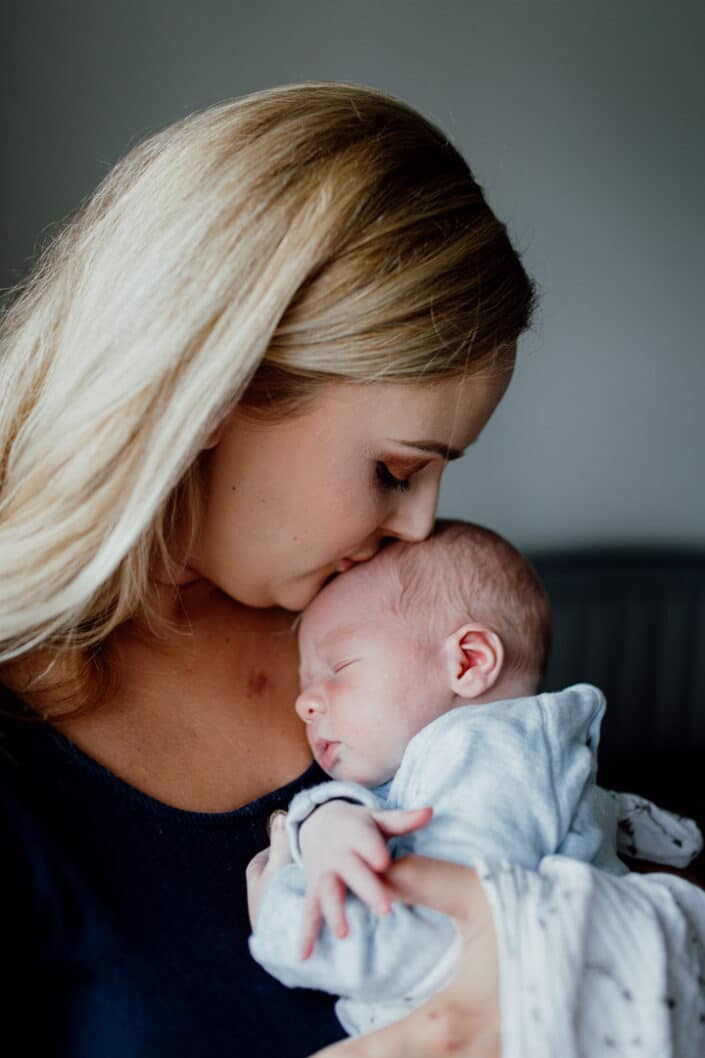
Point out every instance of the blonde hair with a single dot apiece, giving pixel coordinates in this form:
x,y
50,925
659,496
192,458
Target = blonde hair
x,y
467,573
244,254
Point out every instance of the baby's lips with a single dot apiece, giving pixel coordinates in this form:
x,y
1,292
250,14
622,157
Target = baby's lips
x,y
325,751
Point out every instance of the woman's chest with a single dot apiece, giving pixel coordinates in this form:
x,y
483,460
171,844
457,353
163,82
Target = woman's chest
x,y
203,724
144,933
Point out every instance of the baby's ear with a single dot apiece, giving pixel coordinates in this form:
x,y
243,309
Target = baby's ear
x,y
474,657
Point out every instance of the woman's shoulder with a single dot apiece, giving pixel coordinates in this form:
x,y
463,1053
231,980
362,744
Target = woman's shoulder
x,y
25,839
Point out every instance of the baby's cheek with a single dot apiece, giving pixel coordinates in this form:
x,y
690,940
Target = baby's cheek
x,y
388,753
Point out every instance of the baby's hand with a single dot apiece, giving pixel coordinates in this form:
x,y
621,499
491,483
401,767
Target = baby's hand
x,y
343,847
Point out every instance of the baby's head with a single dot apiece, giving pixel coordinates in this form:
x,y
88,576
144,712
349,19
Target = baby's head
x,y
387,647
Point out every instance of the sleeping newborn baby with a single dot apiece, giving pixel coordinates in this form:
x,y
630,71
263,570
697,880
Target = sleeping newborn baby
x,y
419,673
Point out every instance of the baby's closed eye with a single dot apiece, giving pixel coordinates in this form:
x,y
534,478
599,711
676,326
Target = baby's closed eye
x,y
344,664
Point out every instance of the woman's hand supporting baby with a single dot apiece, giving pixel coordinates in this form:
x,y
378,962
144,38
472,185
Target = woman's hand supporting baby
x,y
343,846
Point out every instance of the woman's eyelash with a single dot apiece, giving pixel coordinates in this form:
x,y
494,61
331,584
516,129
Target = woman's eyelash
x,y
388,480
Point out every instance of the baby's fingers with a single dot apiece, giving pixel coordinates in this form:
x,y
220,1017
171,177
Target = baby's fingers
x,y
367,885
332,896
312,923
393,821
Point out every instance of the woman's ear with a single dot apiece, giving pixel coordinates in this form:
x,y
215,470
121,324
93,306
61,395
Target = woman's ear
x,y
215,436
474,656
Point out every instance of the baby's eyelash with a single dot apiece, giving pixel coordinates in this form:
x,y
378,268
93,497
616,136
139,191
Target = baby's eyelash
x,y
388,480
343,665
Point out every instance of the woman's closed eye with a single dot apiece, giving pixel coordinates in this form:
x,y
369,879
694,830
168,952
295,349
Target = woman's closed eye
x,y
388,480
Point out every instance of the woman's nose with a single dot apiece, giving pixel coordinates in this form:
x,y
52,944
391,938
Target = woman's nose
x,y
414,513
309,705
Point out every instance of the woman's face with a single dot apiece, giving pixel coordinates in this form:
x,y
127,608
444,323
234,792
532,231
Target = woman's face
x,y
289,504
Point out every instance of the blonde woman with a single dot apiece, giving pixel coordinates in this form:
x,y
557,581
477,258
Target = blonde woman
x,y
242,366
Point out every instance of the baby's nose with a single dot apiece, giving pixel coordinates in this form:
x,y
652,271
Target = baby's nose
x,y
309,705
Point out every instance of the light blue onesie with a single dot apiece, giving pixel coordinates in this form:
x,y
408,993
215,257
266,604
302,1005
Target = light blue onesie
x,y
508,781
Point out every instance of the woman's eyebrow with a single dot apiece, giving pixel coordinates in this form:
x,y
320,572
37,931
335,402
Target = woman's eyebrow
x,y
435,447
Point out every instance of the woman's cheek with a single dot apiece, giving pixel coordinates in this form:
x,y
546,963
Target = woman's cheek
x,y
367,510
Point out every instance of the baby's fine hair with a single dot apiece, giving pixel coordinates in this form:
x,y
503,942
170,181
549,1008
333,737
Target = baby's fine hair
x,y
467,573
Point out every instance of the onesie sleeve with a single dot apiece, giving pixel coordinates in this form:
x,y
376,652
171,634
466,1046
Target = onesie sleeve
x,y
400,957
593,964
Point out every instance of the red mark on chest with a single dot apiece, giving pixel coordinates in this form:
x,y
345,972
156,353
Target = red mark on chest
x,y
256,683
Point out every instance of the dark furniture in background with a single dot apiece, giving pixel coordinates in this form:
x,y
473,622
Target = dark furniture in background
x,y
633,623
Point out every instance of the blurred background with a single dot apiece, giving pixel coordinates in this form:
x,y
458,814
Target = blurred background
x,y
585,122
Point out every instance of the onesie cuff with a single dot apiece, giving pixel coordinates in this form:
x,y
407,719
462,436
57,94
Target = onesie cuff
x,y
307,801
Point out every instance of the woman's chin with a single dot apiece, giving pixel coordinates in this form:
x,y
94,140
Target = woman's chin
x,y
297,595
293,595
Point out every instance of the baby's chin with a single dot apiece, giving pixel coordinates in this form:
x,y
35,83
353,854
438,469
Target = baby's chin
x,y
371,777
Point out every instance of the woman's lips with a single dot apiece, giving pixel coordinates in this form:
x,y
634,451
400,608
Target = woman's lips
x,y
348,563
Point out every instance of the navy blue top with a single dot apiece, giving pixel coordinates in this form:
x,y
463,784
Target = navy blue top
x,y
124,921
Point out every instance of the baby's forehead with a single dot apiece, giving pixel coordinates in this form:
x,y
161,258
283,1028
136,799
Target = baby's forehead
x,y
327,628
339,631
345,610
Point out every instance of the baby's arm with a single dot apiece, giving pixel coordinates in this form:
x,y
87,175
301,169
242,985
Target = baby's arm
x,y
379,957
408,952
338,834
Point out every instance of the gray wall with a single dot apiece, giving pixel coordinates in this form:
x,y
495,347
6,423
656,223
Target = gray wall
x,y
583,120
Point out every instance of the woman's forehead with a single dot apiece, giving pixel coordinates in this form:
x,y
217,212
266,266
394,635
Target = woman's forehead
x,y
435,417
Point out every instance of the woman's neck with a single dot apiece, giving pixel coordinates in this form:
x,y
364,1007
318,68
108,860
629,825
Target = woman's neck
x,y
202,718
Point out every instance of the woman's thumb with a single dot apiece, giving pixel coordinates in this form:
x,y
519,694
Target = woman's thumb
x,y
447,887
279,852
